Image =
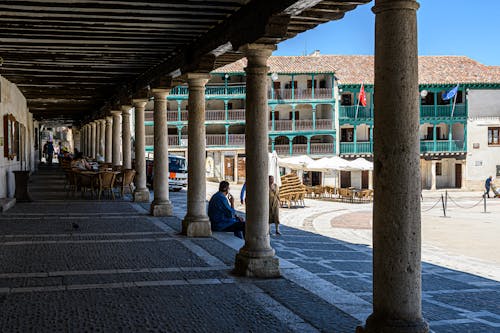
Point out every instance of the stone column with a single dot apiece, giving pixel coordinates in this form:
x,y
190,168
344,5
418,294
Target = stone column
x,y
256,257
87,140
141,193
102,125
83,139
433,175
397,303
161,205
97,137
92,139
196,222
126,137
108,141
117,139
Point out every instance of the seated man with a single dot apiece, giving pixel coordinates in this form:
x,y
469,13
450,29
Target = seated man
x,y
222,214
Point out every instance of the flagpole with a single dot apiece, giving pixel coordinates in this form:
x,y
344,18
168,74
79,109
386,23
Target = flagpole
x,y
454,101
356,114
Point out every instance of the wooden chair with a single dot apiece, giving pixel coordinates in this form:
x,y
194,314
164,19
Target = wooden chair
x,y
106,183
71,182
126,180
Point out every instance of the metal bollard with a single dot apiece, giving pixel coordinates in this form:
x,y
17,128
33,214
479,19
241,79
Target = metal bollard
x,y
444,207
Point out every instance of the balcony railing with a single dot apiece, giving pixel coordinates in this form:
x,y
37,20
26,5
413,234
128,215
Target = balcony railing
x,y
236,140
360,147
322,148
426,111
427,146
442,110
300,125
299,149
213,115
286,94
236,114
282,149
211,90
349,112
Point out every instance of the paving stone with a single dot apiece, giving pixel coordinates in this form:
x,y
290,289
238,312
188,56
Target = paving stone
x,y
207,308
313,309
217,249
351,284
94,256
434,282
487,300
467,327
355,266
337,255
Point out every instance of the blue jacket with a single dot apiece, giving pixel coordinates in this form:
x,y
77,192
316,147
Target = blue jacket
x,y
221,214
488,182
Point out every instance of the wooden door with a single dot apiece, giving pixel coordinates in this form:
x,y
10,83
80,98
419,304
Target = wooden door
x,y
364,179
229,168
241,169
430,133
316,178
458,175
345,179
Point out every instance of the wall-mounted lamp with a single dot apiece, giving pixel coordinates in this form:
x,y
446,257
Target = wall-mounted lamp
x,y
274,77
424,93
226,76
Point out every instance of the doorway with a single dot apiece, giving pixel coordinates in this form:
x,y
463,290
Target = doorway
x,y
229,168
458,175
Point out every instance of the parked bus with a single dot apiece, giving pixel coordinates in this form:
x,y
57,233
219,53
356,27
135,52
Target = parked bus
x,y
177,168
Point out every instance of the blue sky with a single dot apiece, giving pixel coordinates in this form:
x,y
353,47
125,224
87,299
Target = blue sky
x,y
445,27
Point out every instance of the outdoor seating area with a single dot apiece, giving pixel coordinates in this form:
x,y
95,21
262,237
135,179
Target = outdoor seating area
x,y
350,194
103,181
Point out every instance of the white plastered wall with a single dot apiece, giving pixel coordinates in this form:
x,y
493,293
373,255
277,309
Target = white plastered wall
x,y
13,102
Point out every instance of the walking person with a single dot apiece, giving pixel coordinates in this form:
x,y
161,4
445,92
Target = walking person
x,y
274,205
487,186
50,152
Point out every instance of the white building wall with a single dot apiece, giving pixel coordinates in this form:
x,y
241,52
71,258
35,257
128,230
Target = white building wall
x,y
482,160
13,102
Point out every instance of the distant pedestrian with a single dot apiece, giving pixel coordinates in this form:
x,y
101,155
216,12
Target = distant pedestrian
x,y
50,152
487,186
243,197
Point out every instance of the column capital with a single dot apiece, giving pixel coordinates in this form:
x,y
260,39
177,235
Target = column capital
x,y
108,120
115,113
126,109
139,102
257,54
160,93
197,79
385,5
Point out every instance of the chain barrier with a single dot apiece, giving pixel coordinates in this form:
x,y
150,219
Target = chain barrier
x,y
475,205
438,201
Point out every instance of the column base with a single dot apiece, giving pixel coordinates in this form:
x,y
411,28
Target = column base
x,y
141,195
264,267
384,325
161,208
196,226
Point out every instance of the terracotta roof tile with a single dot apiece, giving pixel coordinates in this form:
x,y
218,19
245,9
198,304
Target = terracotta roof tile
x,y
357,69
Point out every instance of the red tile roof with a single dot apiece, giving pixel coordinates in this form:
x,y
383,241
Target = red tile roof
x,y
357,69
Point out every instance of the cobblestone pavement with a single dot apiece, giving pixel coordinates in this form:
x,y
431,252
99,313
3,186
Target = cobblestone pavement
x,y
68,264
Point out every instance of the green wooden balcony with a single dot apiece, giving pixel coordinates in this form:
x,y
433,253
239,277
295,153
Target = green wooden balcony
x,y
210,91
361,147
426,146
277,95
348,112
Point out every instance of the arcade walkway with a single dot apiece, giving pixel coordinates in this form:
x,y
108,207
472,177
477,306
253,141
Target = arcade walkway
x,y
85,265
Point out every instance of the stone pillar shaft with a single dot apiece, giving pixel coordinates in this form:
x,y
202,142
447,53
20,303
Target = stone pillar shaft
x,y
87,140
126,137
92,139
141,193
256,257
97,136
117,142
196,222
396,209
161,205
102,125
108,142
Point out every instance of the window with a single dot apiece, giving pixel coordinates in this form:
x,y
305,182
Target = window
x,y
347,135
346,99
310,84
439,169
322,84
493,136
290,115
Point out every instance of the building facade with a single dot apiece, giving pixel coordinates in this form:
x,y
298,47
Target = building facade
x,y
314,109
